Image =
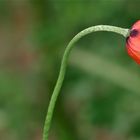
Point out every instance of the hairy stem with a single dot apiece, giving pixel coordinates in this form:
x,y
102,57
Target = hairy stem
x,y
122,31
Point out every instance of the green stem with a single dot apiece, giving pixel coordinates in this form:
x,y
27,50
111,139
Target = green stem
x,y
122,31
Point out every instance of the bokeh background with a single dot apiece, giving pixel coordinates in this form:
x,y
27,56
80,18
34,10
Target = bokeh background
x,y
100,97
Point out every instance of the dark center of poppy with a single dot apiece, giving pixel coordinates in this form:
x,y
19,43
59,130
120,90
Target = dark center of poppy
x,y
134,33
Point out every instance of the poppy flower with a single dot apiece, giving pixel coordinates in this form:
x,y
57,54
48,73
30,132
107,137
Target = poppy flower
x,y
133,42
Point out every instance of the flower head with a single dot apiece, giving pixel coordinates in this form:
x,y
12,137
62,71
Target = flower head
x,y
133,42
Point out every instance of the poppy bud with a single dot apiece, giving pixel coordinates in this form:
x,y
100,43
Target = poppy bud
x,y
133,42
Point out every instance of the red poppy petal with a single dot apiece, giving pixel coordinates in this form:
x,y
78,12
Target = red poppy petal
x,y
136,25
133,54
134,44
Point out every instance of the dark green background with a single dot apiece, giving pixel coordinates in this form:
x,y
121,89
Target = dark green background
x,y
100,98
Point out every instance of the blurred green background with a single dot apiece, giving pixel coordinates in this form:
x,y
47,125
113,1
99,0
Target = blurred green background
x,y
100,98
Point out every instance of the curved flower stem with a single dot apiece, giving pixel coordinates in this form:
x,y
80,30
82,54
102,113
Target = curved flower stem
x,y
122,31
